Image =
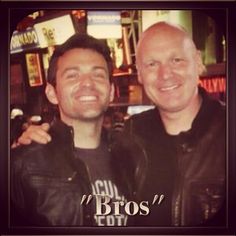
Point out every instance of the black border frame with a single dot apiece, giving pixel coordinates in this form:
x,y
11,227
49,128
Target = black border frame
x,y
23,8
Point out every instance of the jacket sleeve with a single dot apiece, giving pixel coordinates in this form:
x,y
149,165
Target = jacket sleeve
x,y
137,155
17,201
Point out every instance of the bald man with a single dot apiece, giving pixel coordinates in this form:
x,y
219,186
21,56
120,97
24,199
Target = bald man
x,y
184,137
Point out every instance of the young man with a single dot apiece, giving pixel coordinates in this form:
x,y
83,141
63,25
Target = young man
x,y
48,182
184,137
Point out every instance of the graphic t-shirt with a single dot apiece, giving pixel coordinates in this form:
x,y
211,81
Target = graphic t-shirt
x,y
100,173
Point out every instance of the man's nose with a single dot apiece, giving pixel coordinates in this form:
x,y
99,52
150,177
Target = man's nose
x,y
86,80
165,71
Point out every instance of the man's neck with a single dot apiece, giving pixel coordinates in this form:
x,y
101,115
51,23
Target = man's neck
x,y
87,134
180,121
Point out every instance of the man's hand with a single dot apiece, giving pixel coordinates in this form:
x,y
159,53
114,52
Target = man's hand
x,y
37,133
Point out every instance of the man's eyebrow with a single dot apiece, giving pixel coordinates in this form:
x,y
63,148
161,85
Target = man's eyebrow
x,y
75,68
69,68
99,68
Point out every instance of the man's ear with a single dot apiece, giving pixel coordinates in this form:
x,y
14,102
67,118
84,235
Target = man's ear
x,y
140,80
51,94
112,92
139,74
201,67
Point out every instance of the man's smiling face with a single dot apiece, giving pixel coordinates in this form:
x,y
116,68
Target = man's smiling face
x,y
83,90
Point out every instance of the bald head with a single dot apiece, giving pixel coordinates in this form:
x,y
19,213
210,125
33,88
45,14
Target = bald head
x,y
163,32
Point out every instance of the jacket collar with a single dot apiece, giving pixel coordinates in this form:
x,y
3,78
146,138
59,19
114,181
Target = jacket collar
x,y
206,114
64,133
61,133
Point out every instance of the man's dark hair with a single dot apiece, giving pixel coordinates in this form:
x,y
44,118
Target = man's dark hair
x,y
84,41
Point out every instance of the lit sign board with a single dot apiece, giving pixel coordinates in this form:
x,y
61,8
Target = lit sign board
x,y
214,85
34,69
55,31
21,41
180,17
104,24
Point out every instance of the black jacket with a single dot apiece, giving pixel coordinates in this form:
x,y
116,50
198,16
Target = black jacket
x,y
46,188
189,168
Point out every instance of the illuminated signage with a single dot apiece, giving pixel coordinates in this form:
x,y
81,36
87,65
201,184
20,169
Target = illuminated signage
x,y
104,24
21,41
34,69
180,17
55,31
214,85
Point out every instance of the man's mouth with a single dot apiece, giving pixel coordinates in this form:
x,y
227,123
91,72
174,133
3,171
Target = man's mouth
x,y
169,88
87,98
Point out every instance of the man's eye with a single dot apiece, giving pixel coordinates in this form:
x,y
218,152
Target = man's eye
x,y
152,64
99,75
177,60
71,75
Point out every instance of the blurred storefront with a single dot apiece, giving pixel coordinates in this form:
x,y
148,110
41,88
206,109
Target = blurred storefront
x,y
36,37
31,49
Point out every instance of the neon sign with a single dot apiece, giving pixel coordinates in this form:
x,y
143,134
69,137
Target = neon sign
x,y
214,84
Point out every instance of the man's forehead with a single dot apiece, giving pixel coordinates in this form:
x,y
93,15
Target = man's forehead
x,y
83,55
165,34
174,38
79,51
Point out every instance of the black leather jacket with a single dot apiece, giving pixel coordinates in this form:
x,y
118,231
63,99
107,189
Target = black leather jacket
x,y
196,172
46,188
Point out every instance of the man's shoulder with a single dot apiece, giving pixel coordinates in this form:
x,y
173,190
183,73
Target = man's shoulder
x,y
218,109
144,116
143,123
212,106
27,155
212,118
